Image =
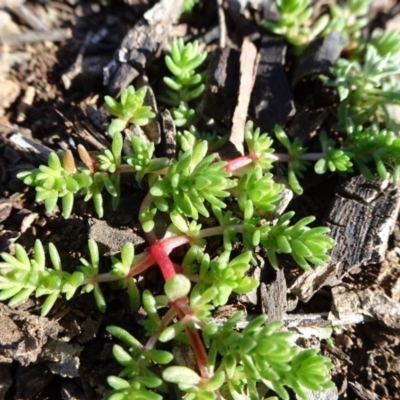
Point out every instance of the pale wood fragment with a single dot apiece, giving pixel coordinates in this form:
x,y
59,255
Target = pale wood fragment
x,y
247,70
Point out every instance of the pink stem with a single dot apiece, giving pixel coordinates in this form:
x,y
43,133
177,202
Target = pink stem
x,y
174,242
240,162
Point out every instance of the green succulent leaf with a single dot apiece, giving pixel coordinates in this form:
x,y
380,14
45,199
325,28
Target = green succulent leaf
x,y
177,287
195,179
182,376
129,110
185,84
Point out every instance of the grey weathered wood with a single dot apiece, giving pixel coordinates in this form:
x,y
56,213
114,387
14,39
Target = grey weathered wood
x,y
272,97
153,128
140,44
361,218
168,145
374,302
273,297
363,393
309,282
32,149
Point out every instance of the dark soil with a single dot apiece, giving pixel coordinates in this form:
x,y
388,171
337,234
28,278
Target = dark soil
x,y
49,87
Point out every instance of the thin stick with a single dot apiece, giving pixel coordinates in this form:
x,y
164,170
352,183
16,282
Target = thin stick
x,y
317,320
222,24
36,36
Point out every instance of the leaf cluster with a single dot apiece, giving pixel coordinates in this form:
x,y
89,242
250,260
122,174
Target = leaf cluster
x,y
22,276
333,159
61,179
223,275
304,244
58,179
129,110
137,376
191,181
142,159
349,18
374,146
263,353
237,361
186,84
363,147
366,87
295,21
365,79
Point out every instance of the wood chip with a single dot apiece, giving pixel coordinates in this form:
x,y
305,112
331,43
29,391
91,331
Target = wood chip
x,y
247,68
273,297
141,43
362,393
5,209
63,358
10,91
26,14
222,86
152,129
168,145
361,219
319,57
272,97
306,122
309,282
32,149
374,303
26,103
222,23
28,218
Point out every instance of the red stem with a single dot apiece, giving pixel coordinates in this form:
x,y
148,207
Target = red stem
x,y
199,351
195,342
142,265
157,250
